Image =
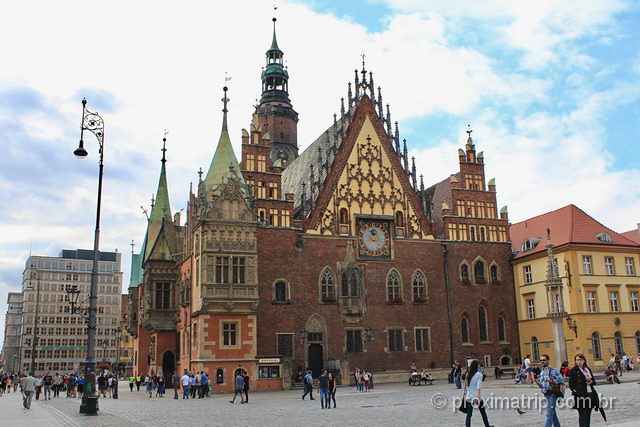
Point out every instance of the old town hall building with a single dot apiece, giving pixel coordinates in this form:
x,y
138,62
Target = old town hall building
x,y
335,256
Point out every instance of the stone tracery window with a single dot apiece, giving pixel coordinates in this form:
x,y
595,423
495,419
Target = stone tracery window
x,y
394,290
418,285
327,288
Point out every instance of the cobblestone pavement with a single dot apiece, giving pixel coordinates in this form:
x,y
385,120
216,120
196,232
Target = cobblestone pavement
x,y
386,405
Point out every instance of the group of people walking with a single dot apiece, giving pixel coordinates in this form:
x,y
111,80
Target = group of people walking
x,y
327,386
551,383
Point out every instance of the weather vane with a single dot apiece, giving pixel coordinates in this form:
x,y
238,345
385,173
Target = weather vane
x,y
469,130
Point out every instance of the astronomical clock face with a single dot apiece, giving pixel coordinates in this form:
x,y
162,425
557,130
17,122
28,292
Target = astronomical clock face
x,y
373,239
281,155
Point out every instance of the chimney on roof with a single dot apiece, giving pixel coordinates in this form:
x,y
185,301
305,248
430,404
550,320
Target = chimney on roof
x,y
639,227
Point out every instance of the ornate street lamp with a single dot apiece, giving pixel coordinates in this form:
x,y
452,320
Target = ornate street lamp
x,y
93,123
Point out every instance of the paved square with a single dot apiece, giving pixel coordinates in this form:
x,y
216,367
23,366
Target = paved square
x,y
386,405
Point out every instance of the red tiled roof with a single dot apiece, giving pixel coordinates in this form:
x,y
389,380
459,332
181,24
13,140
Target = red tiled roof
x,y
569,224
633,235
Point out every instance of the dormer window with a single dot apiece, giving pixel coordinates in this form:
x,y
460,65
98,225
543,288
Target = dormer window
x,y
529,244
604,237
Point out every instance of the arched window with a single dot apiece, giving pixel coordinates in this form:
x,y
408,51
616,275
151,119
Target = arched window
x,y
595,346
219,376
354,284
344,216
482,320
393,287
327,292
638,342
472,233
280,291
482,234
502,329
478,271
349,284
464,272
617,338
535,349
494,273
399,219
464,329
419,287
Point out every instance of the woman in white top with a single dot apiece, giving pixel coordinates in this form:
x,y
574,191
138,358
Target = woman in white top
x,y
473,398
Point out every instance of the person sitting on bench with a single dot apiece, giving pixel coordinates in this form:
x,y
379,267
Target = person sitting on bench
x,y
425,377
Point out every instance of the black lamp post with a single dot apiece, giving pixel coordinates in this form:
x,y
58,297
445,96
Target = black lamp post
x,y
93,123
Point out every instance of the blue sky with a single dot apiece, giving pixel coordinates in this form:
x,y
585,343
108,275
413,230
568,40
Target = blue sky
x,y
551,89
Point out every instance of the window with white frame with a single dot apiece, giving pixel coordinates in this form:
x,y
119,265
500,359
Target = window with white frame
x,y
528,275
629,266
423,339
608,266
531,308
633,298
591,301
613,299
586,265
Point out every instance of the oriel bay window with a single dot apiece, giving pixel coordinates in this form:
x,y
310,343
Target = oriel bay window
x,y
163,296
237,266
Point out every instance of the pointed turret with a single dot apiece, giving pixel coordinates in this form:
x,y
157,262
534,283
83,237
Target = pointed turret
x,y
275,78
160,213
224,162
161,207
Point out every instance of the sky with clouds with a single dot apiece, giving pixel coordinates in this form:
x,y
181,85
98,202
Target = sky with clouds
x,y
551,88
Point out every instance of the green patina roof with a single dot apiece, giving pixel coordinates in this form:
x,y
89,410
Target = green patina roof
x,y
136,270
161,208
223,159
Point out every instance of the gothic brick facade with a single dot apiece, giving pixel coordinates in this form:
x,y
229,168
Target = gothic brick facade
x,y
334,257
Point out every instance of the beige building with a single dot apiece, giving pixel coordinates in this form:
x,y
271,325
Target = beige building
x,y
62,336
12,332
599,290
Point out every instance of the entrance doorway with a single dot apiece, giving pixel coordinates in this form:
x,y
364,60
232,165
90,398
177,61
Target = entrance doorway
x,y
168,367
316,359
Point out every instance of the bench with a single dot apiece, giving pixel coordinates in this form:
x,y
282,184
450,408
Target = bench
x,y
506,371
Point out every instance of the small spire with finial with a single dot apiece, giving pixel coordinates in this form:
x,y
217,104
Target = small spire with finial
x,y
200,174
225,100
164,147
153,200
132,244
364,72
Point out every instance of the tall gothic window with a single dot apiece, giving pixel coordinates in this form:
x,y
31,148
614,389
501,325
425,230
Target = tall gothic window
x,y
464,272
464,326
344,216
393,287
326,285
478,271
494,273
418,286
354,284
482,319
163,295
502,329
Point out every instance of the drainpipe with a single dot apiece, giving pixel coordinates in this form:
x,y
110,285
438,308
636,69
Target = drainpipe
x,y
447,290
